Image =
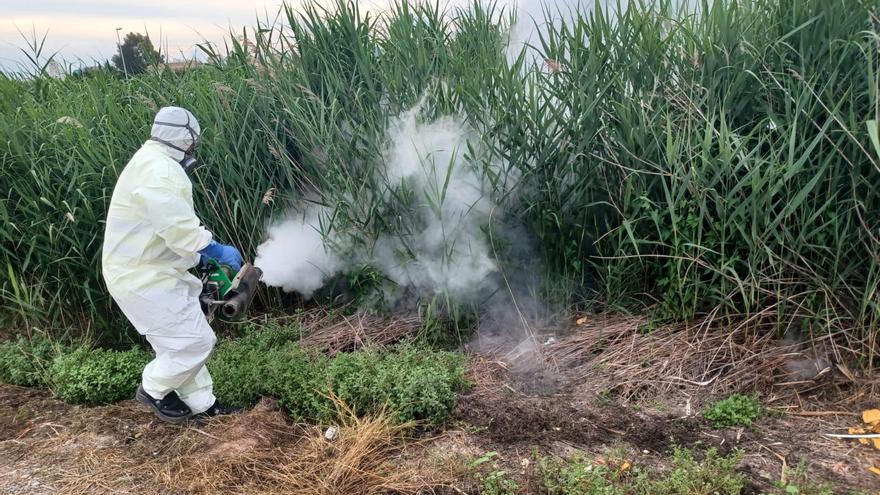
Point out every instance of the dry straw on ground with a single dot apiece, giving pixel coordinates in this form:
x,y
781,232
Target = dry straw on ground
x,y
256,452
625,354
332,333
363,458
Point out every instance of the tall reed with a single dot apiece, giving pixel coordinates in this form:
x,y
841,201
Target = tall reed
x,y
722,159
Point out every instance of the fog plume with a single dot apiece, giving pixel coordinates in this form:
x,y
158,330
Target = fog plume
x,y
439,241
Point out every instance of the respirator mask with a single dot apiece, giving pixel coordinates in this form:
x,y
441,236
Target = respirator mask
x,y
189,161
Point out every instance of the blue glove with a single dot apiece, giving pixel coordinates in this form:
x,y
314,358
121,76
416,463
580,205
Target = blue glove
x,y
225,255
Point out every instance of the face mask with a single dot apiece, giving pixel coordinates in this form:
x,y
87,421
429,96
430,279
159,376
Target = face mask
x,y
189,163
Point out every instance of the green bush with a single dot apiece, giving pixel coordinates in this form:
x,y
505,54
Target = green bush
x,y
415,382
25,361
97,376
355,379
234,376
421,383
299,380
267,361
237,365
736,410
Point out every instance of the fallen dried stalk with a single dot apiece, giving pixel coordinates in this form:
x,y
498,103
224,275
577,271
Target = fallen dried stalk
x,y
619,353
338,333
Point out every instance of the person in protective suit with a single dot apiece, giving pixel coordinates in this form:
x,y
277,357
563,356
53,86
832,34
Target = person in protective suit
x,y
151,240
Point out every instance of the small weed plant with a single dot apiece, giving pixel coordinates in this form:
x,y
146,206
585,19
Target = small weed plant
x,y
415,382
579,476
493,479
736,410
498,483
798,482
713,474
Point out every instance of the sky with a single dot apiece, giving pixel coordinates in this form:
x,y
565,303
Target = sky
x,y
85,30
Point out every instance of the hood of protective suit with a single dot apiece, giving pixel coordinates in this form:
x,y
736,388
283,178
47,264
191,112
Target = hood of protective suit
x,y
176,127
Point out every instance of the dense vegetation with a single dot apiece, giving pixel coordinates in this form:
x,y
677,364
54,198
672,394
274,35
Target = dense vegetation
x,y
412,382
726,162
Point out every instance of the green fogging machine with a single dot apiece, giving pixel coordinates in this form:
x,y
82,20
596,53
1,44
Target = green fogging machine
x,y
230,291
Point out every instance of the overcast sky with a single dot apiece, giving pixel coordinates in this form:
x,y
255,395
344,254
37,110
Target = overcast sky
x,y
86,29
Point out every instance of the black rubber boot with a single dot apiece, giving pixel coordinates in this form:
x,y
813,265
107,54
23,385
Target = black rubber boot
x,y
218,409
170,408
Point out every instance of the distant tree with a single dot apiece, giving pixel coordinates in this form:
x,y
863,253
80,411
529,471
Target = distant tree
x,y
138,53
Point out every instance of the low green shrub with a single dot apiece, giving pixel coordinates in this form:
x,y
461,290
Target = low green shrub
x,y
736,410
238,366
415,382
299,380
355,378
97,376
25,361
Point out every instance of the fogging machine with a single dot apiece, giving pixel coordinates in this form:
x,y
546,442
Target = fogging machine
x,y
230,291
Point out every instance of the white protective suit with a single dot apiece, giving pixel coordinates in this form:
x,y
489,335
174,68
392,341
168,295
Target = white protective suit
x,y
151,240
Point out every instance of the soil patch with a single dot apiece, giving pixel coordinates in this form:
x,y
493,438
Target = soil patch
x,y
541,421
504,419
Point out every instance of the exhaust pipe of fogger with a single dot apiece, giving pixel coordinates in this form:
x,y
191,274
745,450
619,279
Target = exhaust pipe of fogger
x,y
238,300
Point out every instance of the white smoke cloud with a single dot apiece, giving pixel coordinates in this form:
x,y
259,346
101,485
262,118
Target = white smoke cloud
x,y
294,256
444,248
452,205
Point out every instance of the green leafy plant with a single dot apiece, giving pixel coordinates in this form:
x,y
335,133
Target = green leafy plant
x,y
238,365
415,382
299,380
713,474
498,483
736,410
798,482
25,361
97,376
579,476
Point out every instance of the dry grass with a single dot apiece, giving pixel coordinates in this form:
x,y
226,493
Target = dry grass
x,y
620,354
332,333
362,459
256,452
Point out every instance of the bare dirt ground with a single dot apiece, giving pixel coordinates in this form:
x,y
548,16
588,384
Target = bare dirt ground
x,y
47,446
573,420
